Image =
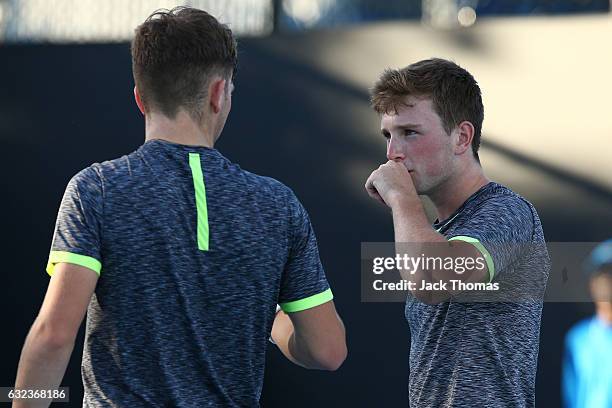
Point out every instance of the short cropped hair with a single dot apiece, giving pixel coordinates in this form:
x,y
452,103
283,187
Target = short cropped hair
x,y
174,55
454,92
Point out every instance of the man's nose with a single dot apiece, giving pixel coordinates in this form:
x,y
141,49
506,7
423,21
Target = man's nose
x,y
394,152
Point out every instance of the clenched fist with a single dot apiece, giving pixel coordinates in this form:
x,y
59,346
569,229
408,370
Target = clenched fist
x,y
391,184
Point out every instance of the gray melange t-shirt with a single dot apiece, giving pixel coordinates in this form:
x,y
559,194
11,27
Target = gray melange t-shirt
x,y
484,354
193,255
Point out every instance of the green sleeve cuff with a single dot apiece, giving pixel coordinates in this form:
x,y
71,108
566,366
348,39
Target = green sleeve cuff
x,y
307,303
68,257
487,256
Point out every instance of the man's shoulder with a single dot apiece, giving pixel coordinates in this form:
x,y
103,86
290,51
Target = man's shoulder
x,y
269,185
500,194
503,204
498,212
265,181
105,169
85,180
115,171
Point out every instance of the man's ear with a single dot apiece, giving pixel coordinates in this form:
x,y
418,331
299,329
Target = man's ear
x,y
465,135
216,90
139,100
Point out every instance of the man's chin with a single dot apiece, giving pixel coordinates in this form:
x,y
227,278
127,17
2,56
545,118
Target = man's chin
x,y
417,185
422,190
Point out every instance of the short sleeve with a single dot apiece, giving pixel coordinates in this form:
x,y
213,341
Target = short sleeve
x,y
303,284
501,229
76,238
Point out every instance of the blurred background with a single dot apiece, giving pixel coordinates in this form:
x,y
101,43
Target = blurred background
x,y
301,115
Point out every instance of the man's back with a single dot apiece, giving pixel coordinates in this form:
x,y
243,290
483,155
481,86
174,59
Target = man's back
x,y
179,256
172,324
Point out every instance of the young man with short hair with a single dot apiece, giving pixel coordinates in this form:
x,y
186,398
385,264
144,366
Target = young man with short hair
x,y
462,353
178,255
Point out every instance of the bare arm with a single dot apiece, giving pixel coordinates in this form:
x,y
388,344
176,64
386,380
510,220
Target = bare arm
x,y
392,185
313,338
411,225
49,343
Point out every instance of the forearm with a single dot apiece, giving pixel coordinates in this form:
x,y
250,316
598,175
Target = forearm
x,y
302,352
285,338
415,237
413,234
41,366
410,223
282,330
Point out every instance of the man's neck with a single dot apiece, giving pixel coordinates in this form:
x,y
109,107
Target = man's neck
x,y
451,194
182,130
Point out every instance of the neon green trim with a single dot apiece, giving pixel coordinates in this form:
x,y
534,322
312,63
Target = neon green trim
x,y
487,256
63,256
307,303
200,197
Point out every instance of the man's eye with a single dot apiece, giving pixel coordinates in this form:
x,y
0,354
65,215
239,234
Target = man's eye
x,y
386,135
409,132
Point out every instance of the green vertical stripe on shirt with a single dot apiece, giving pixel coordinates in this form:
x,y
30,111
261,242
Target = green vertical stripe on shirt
x,y
200,198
